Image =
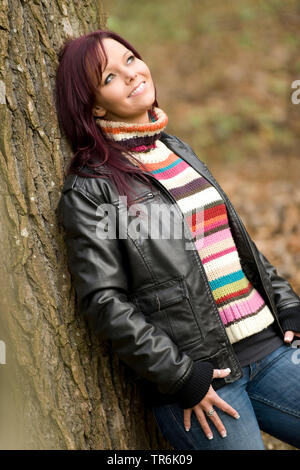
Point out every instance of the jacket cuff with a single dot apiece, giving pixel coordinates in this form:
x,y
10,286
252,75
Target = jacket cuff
x,y
197,385
290,319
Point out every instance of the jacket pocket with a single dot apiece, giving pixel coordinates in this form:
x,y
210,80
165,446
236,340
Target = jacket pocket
x,y
143,198
167,305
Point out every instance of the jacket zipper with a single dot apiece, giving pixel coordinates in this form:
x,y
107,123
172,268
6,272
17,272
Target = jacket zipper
x,y
145,197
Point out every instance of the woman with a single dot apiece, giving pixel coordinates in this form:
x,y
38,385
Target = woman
x,y
202,317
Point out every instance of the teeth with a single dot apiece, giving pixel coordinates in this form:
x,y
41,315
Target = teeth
x,y
138,89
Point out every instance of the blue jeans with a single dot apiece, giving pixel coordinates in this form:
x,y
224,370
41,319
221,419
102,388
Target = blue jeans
x,y
267,397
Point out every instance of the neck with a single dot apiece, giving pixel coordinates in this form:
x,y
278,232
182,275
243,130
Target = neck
x,y
136,137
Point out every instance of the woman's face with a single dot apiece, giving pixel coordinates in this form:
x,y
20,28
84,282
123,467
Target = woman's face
x,y
124,73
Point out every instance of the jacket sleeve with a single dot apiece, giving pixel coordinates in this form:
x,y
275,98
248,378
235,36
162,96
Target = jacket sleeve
x,y
286,300
100,280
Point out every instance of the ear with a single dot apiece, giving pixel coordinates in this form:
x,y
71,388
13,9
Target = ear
x,y
98,111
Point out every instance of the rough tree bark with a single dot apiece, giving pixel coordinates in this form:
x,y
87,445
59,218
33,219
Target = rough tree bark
x,y
61,388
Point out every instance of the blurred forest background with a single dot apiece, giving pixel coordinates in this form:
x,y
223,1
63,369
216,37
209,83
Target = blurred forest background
x,y
223,73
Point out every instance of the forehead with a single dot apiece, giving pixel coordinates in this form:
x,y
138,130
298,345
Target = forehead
x,y
113,48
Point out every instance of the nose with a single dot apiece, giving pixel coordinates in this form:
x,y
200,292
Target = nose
x,y
129,76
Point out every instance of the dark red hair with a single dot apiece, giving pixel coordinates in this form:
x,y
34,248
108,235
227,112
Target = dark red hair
x,y
75,95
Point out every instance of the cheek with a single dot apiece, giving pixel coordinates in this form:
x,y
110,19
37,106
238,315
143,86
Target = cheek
x,y
114,94
147,72
143,68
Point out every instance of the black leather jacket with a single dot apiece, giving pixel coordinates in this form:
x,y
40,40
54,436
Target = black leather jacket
x,y
150,296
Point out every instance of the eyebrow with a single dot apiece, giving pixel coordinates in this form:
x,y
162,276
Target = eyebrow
x,y
106,69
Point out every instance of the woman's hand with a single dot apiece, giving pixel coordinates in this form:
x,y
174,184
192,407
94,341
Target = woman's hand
x,y
289,336
207,404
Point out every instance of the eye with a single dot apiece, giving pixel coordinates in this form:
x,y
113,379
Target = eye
x,y
111,74
131,56
106,80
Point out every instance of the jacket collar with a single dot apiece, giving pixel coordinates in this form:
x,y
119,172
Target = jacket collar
x,y
184,151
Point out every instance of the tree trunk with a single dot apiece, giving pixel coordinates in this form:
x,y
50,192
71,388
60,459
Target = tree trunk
x,y
60,387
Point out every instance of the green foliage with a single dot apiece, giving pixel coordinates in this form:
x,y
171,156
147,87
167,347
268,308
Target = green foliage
x,y
148,21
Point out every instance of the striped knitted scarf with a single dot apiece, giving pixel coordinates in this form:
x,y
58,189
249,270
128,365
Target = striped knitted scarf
x,y
241,307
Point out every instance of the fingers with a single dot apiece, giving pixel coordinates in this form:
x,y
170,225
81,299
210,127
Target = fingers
x,y
288,336
207,405
218,424
220,373
187,418
224,406
203,423
201,418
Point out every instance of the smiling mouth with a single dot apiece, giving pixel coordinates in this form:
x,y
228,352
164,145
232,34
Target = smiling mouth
x,y
138,89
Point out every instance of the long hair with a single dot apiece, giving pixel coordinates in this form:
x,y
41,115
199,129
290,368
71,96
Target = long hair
x,y
75,96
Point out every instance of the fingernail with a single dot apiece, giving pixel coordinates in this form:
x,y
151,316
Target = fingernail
x,y
288,338
237,416
224,434
228,370
187,429
210,436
